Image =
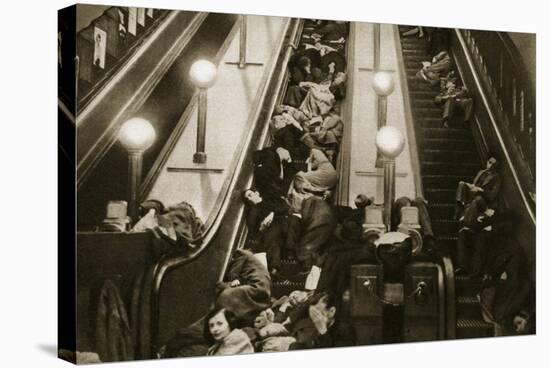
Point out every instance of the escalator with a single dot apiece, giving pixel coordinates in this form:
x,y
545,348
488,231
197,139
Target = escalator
x,y
447,156
175,279
151,84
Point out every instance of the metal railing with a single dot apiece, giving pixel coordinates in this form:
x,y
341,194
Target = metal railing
x,y
507,81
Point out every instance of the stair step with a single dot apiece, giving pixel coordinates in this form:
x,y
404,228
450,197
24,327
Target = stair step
x,y
423,94
442,167
413,51
412,67
472,328
413,41
432,112
450,156
457,144
441,211
440,195
430,122
467,286
281,288
468,307
446,244
447,133
442,227
289,267
424,102
416,84
443,181
411,70
419,58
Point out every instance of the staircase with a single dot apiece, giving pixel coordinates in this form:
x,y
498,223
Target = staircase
x,y
289,277
447,156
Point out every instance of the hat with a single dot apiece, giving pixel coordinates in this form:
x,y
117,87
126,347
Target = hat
x,y
362,201
349,231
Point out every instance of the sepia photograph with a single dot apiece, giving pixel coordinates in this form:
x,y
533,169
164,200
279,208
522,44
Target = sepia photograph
x,y
245,183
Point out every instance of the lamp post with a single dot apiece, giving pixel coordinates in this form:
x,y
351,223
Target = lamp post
x,y
203,75
383,86
136,135
390,142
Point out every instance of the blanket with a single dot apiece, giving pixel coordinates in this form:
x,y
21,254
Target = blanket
x,y
253,293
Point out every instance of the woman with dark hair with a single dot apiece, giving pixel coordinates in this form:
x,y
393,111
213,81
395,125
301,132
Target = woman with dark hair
x,y
221,334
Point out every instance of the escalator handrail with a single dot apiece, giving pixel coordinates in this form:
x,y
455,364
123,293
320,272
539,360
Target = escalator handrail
x,y
343,161
161,268
83,101
493,119
409,120
113,116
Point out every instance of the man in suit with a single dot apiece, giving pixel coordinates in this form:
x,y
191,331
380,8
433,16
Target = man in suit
x,y
484,189
270,172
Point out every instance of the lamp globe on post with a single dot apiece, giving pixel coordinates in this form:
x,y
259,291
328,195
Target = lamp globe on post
x,y
390,142
382,83
383,86
203,75
136,135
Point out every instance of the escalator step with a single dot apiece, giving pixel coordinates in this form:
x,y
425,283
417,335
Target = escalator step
x,y
440,195
446,228
443,181
446,244
448,155
424,103
423,94
443,211
446,133
281,288
467,307
434,122
428,112
419,58
289,267
467,286
472,328
410,51
414,41
456,168
436,143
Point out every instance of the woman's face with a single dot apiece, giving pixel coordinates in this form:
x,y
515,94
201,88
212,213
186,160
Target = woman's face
x,y
219,327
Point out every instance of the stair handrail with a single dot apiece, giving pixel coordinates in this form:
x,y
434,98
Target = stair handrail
x,y
409,121
506,79
83,100
88,159
161,268
468,45
344,155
